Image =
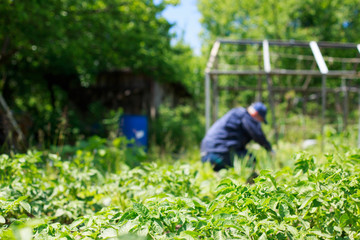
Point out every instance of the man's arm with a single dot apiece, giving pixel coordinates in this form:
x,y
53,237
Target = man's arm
x,y
254,129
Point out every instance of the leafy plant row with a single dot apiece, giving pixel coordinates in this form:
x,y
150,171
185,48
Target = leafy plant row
x,y
45,196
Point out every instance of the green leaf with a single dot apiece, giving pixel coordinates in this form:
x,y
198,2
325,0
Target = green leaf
x,y
263,237
26,206
283,210
188,234
355,158
192,233
59,212
219,235
226,182
270,176
290,217
321,234
128,215
128,226
108,233
22,198
157,226
212,206
189,202
141,210
225,190
2,219
308,201
304,162
343,220
292,230
76,223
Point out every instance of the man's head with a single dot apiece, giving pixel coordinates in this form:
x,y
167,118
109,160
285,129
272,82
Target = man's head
x,y
258,111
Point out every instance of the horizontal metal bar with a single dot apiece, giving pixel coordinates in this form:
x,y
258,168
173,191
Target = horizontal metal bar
x,y
290,43
271,42
240,42
343,60
290,56
341,73
237,72
336,45
354,74
284,89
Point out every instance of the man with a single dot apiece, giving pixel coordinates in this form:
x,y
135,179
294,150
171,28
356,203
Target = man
x,y
230,134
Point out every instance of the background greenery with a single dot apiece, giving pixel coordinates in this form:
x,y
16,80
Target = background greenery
x,y
50,48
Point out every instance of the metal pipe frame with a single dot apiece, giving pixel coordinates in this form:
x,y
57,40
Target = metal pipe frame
x,y
268,72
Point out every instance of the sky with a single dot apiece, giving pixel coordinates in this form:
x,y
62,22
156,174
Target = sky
x,y
186,17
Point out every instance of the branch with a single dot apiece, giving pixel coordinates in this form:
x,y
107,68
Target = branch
x,y
6,43
4,55
12,119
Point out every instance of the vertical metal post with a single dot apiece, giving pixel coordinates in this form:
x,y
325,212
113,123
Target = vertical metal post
x,y
272,107
323,106
209,66
359,113
267,69
258,96
215,92
324,70
207,101
215,98
346,101
358,47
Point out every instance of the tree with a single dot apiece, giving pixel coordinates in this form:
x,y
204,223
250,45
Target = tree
x,y
50,46
300,20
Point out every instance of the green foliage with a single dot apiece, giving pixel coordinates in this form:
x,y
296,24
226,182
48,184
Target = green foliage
x,y
304,163
48,196
177,128
50,50
87,36
301,20
189,70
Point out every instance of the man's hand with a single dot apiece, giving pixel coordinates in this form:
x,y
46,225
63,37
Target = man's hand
x,y
272,153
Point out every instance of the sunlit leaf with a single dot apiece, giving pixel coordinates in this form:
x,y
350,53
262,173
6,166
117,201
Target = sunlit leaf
x,y
26,206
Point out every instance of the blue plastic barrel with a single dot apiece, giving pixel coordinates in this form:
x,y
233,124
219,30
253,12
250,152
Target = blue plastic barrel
x,y
135,127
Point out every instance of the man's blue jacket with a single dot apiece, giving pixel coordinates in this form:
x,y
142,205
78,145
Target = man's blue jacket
x,y
232,132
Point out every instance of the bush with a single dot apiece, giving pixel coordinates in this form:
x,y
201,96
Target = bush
x,y
177,129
